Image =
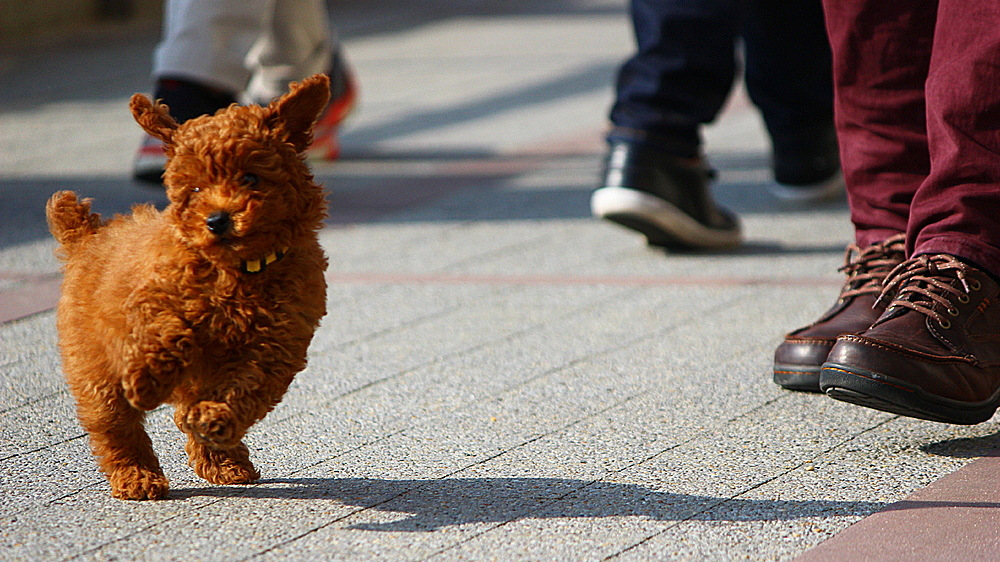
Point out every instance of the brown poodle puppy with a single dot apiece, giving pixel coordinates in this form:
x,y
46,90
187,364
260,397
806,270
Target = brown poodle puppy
x,y
209,305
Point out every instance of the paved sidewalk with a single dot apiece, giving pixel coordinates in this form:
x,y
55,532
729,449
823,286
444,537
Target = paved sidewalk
x,y
500,376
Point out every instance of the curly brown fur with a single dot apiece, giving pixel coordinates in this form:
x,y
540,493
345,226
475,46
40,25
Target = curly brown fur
x,y
212,315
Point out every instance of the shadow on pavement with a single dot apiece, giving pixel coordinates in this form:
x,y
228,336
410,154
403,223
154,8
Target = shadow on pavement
x,y
353,18
966,447
463,187
112,63
594,77
433,504
22,202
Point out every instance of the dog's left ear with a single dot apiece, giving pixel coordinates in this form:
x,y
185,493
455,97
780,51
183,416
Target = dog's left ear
x,y
154,118
297,111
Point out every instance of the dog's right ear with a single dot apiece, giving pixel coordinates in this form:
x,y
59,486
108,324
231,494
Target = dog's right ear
x,y
295,113
154,118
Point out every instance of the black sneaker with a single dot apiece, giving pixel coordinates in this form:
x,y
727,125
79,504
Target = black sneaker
x,y
666,198
807,169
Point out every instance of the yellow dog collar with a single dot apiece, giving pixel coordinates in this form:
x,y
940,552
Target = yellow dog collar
x,y
257,266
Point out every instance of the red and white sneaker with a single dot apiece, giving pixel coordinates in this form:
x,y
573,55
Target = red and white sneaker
x,y
344,97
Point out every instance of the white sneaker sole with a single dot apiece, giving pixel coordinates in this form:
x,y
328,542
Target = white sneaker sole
x,y
825,190
662,223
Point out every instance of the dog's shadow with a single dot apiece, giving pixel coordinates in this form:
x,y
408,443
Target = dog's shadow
x,y
434,504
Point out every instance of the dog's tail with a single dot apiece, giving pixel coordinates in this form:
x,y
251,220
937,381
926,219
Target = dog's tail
x,y
70,219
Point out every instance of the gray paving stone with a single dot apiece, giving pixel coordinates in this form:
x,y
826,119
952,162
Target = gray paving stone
x,y
500,376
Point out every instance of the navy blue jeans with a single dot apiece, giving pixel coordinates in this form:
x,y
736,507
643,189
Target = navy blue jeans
x,y
686,63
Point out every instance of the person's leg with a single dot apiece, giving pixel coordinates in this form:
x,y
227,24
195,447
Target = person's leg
x,y
207,41
933,354
654,180
680,75
297,44
881,53
789,78
956,210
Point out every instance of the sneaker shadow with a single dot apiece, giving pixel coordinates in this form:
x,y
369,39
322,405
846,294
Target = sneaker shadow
x,y
429,505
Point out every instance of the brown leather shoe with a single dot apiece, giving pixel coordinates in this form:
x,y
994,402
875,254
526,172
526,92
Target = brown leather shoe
x,y
798,359
933,354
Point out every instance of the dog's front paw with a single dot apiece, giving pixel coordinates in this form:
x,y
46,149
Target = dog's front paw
x,y
145,392
231,466
212,424
136,483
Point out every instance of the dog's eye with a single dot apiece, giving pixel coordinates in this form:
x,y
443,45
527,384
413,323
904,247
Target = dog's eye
x,y
249,180
195,189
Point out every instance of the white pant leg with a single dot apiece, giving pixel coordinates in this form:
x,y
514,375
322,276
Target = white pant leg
x,y
208,40
296,45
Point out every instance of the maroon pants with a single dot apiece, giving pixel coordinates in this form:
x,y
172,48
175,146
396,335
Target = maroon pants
x,y
917,101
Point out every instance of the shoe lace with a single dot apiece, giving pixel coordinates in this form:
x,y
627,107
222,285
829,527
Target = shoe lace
x,y
927,280
867,268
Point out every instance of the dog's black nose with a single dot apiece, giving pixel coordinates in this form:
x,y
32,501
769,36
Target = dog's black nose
x,y
218,223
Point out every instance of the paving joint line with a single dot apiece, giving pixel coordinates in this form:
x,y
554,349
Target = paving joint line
x,y
47,446
32,401
160,408
445,357
411,323
755,486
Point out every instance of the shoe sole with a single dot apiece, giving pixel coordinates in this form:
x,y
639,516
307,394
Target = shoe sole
x,y
802,378
879,392
662,223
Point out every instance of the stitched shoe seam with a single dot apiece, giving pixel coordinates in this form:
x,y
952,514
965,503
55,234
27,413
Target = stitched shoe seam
x,y
817,342
899,350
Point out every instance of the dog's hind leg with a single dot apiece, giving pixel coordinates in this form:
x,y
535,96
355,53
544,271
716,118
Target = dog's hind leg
x,y
121,445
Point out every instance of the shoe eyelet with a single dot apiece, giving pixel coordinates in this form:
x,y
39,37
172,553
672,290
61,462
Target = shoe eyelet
x,y
953,311
945,323
963,298
975,285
